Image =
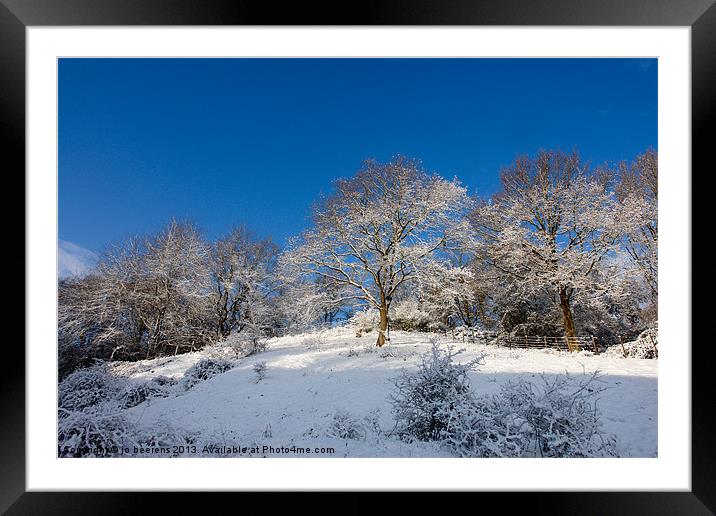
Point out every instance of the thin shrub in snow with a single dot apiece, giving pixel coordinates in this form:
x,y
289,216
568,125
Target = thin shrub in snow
x,y
260,371
372,423
346,426
203,370
423,401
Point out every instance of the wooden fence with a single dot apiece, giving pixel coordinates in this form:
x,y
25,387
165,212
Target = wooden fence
x,y
560,343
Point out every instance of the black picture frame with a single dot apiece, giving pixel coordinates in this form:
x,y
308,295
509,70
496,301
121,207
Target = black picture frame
x,y
17,15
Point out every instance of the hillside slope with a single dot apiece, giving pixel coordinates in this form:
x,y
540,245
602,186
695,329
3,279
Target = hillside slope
x,y
328,393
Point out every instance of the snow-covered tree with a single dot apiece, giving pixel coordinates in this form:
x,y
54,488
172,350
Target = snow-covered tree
x,y
377,229
244,283
149,296
549,230
300,305
171,292
304,301
98,316
454,290
618,311
637,191
332,299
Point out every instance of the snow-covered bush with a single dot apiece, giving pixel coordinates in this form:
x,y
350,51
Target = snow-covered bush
x,y
364,321
484,428
554,419
242,345
646,345
203,370
424,401
346,426
164,381
171,441
86,387
408,315
104,432
91,433
562,420
372,423
138,392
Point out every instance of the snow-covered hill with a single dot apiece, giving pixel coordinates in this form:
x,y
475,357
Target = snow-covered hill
x,y
327,394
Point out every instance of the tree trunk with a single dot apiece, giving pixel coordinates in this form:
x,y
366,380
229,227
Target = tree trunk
x,y
383,325
566,313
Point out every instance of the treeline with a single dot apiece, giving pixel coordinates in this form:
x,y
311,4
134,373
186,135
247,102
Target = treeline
x,y
561,249
168,293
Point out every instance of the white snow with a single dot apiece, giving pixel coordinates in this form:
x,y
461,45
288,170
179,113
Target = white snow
x,y
312,377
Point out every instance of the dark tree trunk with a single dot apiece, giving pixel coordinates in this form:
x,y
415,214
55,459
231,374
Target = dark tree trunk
x,y
383,327
566,313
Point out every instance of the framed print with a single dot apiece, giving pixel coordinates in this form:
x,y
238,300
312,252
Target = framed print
x,y
412,250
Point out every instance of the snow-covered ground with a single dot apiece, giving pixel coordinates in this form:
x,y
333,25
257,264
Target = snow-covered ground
x,y
317,388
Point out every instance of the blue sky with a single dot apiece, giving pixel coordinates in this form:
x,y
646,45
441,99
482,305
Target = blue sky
x,y
255,141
